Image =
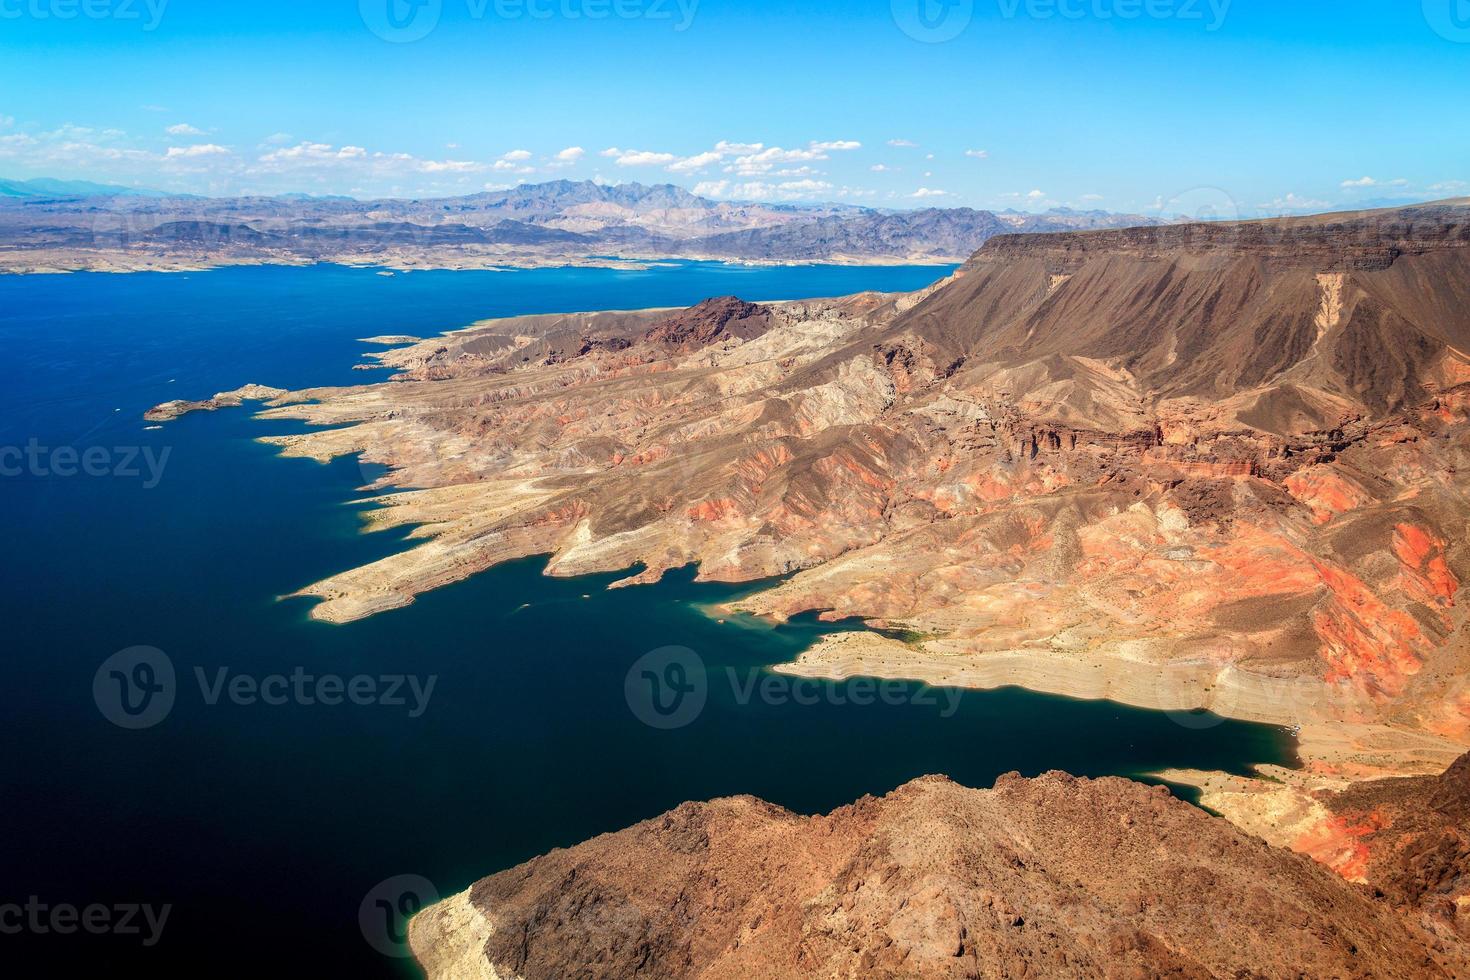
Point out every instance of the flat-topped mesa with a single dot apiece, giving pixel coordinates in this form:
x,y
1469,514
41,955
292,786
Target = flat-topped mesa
x,y
1363,240
714,320
1284,326
1053,876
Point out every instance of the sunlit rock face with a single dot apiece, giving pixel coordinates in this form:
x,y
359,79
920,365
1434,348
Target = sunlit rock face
x,y
1192,466
1052,876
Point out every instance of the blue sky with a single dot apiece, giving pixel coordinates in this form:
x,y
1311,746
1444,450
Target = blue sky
x,y
1130,105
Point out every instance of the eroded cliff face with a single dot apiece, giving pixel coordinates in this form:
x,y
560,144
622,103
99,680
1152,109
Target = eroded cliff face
x,y
1054,876
1206,466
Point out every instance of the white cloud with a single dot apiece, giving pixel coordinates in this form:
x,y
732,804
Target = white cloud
x,y
978,154
880,168
1038,198
766,159
6,122
644,158
1450,186
200,150
184,129
907,143
12,144
571,154
513,162
744,159
725,146
450,166
762,190
311,153
211,168
1092,197
805,186
697,162
1370,182
928,192
1293,202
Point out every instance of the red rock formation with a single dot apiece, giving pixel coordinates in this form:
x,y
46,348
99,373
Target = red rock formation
x,y
1239,448
714,320
1411,844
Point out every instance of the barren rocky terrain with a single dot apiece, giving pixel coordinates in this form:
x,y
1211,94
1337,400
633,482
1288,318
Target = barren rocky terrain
x,y
1198,466
1046,877
1217,466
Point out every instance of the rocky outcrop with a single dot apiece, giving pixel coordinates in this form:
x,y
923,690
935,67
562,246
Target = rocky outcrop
x,y
714,320
1151,465
171,410
1409,839
1054,876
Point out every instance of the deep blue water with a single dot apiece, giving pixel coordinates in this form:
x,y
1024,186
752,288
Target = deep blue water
x,y
265,827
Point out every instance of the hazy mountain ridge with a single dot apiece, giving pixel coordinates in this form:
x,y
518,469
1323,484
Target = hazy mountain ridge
x,y
532,224
46,188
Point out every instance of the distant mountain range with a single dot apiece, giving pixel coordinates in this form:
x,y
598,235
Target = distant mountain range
x,y
46,187
56,225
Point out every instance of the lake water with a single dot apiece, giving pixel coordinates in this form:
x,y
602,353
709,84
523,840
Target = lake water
x,y
267,823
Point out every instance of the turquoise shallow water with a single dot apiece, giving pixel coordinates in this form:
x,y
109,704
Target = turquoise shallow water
x,y
267,828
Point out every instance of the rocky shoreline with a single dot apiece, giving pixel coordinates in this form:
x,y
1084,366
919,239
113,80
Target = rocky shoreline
x,y
1113,465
